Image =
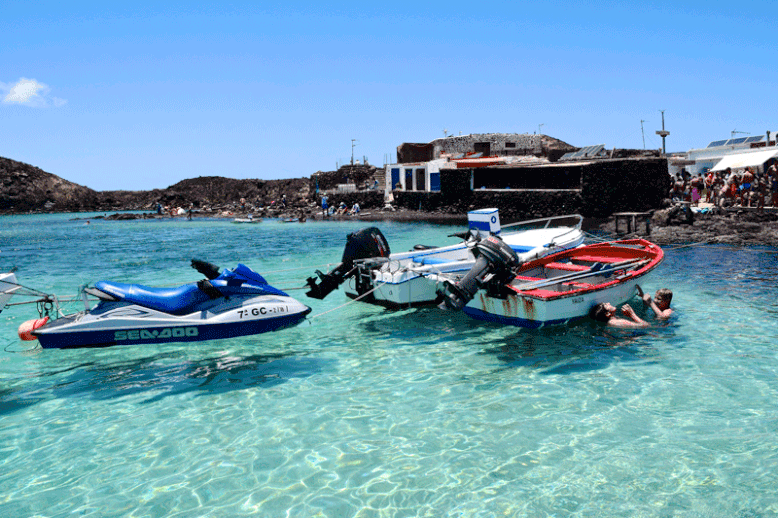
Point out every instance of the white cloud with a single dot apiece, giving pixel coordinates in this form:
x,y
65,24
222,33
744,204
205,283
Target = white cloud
x,y
29,92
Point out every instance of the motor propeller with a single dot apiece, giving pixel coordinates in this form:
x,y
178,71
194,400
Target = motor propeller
x,y
494,259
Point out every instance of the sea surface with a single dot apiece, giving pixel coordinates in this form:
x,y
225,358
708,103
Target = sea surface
x,y
365,412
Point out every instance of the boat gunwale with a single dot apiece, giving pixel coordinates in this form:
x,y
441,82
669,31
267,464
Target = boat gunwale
x,y
648,248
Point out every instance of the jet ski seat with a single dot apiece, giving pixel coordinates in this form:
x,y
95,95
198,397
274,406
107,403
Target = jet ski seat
x,y
185,299
177,301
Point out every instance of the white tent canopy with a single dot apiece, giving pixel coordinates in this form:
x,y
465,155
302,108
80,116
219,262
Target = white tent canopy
x,y
741,160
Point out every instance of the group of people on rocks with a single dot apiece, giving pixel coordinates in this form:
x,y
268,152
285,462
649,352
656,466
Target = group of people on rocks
x,y
728,188
342,209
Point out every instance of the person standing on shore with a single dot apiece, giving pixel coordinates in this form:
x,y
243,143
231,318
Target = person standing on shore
x,y
772,178
745,187
710,179
696,185
324,205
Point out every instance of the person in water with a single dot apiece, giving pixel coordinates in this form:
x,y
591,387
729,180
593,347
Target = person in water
x,y
660,304
606,312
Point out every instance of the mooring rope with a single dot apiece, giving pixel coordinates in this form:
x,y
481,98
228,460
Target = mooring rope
x,y
353,300
300,268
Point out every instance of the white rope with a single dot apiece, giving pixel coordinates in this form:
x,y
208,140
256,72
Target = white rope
x,y
347,303
300,268
597,238
353,300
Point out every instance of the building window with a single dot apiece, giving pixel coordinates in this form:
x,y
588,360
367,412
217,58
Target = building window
x,y
482,147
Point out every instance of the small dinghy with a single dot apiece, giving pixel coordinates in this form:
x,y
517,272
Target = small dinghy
x,y
249,219
555,289
232,303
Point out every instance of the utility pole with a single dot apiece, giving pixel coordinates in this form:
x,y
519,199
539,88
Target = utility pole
x,y
643,133
540,126
662,133
352,150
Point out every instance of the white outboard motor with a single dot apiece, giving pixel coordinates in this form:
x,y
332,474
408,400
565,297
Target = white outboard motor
x,y
495,260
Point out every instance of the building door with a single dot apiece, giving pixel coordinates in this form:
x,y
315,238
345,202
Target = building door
x,y
421,180
409,179
395,178
435,182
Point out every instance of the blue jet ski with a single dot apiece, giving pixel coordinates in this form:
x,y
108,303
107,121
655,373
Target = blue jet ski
x,y
232,303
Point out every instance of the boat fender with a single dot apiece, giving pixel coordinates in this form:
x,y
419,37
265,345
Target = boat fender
x,y
27,329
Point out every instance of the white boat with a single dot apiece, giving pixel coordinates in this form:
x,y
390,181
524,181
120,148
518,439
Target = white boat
x,y
555,289
410,278
249,219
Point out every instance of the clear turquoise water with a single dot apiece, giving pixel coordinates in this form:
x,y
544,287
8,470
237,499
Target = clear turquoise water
x,y
367,412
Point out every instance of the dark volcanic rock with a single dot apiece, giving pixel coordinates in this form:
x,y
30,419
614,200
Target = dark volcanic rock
x,y
215,192
737,228
25,188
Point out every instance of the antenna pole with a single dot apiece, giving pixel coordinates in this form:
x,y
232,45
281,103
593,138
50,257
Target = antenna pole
x,y
663,133
643,133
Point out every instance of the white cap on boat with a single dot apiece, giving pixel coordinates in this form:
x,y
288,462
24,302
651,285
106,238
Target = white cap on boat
x,y
484,221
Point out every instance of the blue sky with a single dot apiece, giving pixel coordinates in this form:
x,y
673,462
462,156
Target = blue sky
x,y
142,96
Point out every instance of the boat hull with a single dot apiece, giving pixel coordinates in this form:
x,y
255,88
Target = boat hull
x,y
111,324
567,290
534,313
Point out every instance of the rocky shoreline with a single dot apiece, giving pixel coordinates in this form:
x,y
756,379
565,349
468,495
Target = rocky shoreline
x,y
25,189
670,226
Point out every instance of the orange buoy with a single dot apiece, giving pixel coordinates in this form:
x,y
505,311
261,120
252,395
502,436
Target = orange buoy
x,y
27,328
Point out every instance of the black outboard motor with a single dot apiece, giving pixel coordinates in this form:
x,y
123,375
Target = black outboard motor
x,y
493,257
362,244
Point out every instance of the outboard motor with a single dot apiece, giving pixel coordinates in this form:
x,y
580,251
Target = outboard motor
x,y
494,258
362,244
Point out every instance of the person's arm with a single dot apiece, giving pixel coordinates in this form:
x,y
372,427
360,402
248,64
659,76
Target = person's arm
x,y
660,313
634,320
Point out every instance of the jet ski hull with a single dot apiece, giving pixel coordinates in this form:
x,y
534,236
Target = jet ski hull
x,y
121,323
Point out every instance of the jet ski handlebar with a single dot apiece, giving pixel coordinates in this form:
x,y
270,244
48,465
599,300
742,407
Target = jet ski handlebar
x,y
210,270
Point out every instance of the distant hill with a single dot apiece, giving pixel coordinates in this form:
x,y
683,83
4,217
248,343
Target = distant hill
x,y
26,188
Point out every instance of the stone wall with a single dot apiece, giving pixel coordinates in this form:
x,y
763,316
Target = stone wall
x,y
503,144
605,187
566,176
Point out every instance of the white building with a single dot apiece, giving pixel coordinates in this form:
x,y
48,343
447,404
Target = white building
x,y
425,176
415,176
736,153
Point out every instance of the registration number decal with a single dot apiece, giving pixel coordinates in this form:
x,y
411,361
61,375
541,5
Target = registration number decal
x,y
260,311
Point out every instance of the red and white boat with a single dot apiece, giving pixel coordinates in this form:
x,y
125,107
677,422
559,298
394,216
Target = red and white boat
x,y
560,287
